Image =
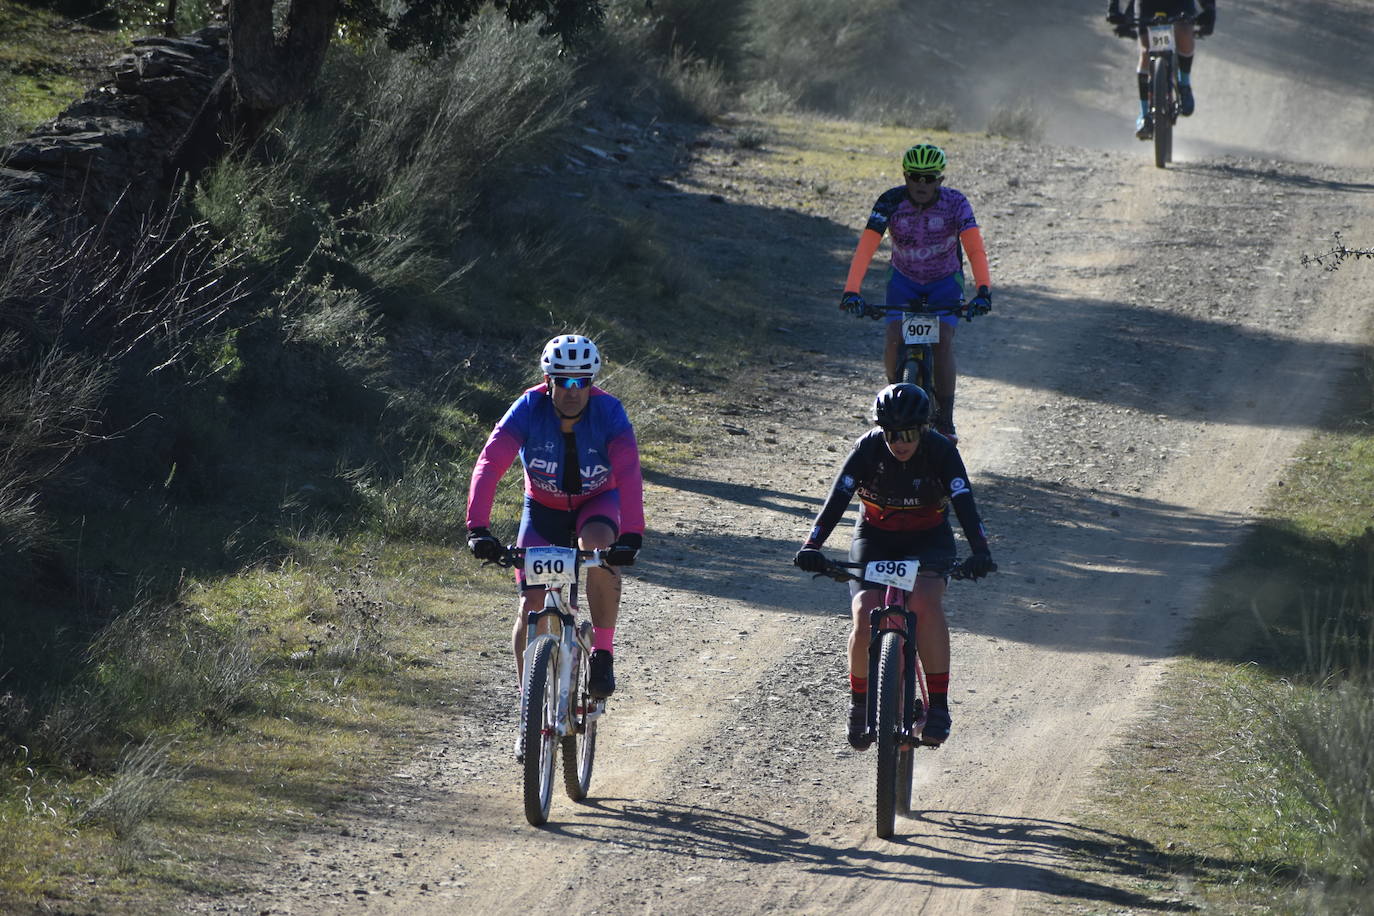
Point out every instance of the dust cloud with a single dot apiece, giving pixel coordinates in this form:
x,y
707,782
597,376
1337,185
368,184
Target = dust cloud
x,y
1277,80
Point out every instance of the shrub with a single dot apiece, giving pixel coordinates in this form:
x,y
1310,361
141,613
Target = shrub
x,y
1017,119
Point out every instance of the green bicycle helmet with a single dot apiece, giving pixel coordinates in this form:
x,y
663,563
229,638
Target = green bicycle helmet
x,y
924,157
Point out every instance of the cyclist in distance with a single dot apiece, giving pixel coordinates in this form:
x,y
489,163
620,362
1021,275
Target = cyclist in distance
x,y
582,483
906,475
932,226
1125,23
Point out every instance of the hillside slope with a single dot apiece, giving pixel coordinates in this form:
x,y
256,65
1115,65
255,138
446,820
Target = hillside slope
x,y
1154,356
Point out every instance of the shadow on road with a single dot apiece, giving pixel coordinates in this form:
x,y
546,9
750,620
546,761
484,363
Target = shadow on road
x,y
941,849
1122,549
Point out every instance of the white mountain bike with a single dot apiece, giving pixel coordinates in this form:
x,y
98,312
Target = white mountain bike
x,y
556,708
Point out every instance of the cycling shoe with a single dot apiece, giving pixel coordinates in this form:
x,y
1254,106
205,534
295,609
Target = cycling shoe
x,y
860,738
937,726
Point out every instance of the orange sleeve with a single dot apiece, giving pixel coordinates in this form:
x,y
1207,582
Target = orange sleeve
x,y
863,256
972,240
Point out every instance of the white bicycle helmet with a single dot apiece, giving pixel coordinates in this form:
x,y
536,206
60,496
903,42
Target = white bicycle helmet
x,y
570,354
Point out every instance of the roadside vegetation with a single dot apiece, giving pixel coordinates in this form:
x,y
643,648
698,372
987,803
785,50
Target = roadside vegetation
x,y
1250,787
233,463
230,536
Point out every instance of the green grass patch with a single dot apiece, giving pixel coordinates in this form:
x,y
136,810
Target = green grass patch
x,y
1250,787
350,645
46,62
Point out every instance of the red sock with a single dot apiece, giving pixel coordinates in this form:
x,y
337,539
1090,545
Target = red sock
x,y
858,687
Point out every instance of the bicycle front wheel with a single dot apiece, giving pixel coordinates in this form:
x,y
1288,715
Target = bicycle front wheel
x,y
539,712
1162,92
889,729
579,746
916,368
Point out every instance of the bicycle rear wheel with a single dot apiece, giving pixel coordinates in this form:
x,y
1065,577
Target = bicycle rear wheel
x,y
888,727
579,747
539,713
1162,94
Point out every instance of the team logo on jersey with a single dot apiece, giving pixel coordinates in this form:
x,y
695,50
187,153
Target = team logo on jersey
x,y
958,485
847,483
937,222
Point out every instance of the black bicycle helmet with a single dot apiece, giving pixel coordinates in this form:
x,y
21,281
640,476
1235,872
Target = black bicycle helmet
x,y
902,406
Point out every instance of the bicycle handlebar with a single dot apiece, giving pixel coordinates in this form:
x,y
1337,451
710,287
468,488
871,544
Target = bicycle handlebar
x,y
917,307
515,556
839,570
1130,28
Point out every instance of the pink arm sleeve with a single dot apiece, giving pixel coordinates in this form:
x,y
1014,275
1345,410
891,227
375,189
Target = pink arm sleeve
x,y
496,458
624,454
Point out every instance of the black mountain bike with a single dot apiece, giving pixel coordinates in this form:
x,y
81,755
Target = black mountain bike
x,y
920,332
895,713
1163,100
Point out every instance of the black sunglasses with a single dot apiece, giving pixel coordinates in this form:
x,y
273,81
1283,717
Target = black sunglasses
x,y
923,178
573,382
904,435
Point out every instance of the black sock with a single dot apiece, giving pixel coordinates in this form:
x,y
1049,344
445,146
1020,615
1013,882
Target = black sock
x,y
1185,64
1143,83
939,701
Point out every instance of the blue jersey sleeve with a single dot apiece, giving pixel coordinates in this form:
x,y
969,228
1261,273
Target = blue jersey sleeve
x,y
883,209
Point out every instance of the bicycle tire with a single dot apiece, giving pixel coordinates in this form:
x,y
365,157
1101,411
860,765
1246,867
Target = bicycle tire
x,y
1162,95
888,728
579,747
906,768
539,709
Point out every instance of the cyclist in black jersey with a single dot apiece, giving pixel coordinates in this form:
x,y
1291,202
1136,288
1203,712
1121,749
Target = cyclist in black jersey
x,y
906,476
1126,27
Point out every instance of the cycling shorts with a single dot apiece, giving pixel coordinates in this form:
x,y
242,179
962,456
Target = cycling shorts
x,y
543,526
933,547
944,292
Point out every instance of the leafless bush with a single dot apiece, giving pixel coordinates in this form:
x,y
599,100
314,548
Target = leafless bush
x,y
700,84
73,311
1017,119
768,97
141,784
1337,254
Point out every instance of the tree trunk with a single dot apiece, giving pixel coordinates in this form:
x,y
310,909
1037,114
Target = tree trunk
x,y
266,72
271,71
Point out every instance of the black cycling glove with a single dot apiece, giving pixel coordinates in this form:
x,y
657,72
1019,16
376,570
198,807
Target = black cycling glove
x,y
852,302
1206,20
981,304
483,545
810,560
979,565
624,550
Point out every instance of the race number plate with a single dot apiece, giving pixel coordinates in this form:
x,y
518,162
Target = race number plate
x,y
921,329
550,565
897,573
1161,38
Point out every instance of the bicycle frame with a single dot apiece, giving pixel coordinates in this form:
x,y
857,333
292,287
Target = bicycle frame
x,y
560,611
916,363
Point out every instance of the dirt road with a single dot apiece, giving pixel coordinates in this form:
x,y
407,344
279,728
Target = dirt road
x,y
1154,356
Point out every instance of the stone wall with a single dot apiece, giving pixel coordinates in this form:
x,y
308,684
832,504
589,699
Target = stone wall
x,y
105,160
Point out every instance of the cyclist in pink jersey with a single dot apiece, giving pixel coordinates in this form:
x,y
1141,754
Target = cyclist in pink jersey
x,y
582,485
932,228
